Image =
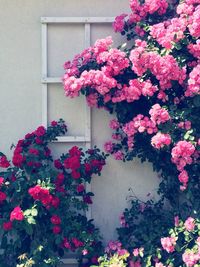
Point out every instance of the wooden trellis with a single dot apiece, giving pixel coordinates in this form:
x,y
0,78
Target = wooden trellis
x,y
47,80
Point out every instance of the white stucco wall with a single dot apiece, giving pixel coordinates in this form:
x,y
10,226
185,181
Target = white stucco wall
x,y
21,95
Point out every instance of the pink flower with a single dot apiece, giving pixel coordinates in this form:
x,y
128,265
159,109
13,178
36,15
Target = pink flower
x,y
33,151
80,188
189,224
194,23
160,140
183,177
87,199
92,100
55,202
193,82
113,246
158,114
114,124
1,181
159,6
56,229
182,154
16,214
108,147
4,163
102,45
40,131
176,221
118,24
66,243
55,219
159,264
168,32
119,155
77,243
3,197
136,252
7,226
185,125
54,123
134,264
84,252
123,220
168,243
58,164
190,258
122,252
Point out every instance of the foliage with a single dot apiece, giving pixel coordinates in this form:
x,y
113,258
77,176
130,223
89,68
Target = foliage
x,y
42,201
180,248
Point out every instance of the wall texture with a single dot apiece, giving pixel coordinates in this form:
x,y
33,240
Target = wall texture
x,y
21,96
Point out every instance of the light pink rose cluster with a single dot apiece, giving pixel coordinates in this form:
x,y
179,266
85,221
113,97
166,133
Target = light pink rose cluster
x,y
194,23
190,258
169,32
182,154
193,82
137,88
164,68
140,11
115,60
168,244
118,24
158,114
185,125
194,49
160,140
139,124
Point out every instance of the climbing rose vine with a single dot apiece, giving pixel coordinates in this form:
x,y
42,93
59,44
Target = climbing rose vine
x,y
42,201
153,89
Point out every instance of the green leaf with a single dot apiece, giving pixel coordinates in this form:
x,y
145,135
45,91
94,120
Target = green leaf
x,y
196,101
31,220
34,212
27,212
4,242
28,229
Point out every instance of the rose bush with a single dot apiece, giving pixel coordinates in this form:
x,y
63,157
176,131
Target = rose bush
x,y
180,248
153,88
42,201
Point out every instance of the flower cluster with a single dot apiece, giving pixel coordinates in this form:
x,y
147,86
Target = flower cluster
x,y
160,140
181,248
193,82
169,32
168,243
181,156
42,199
153,87
158,114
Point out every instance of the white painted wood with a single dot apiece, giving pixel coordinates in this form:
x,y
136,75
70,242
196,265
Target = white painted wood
x,y
47,80
45,20
87,35
88,117
88,109
72,139
44,74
